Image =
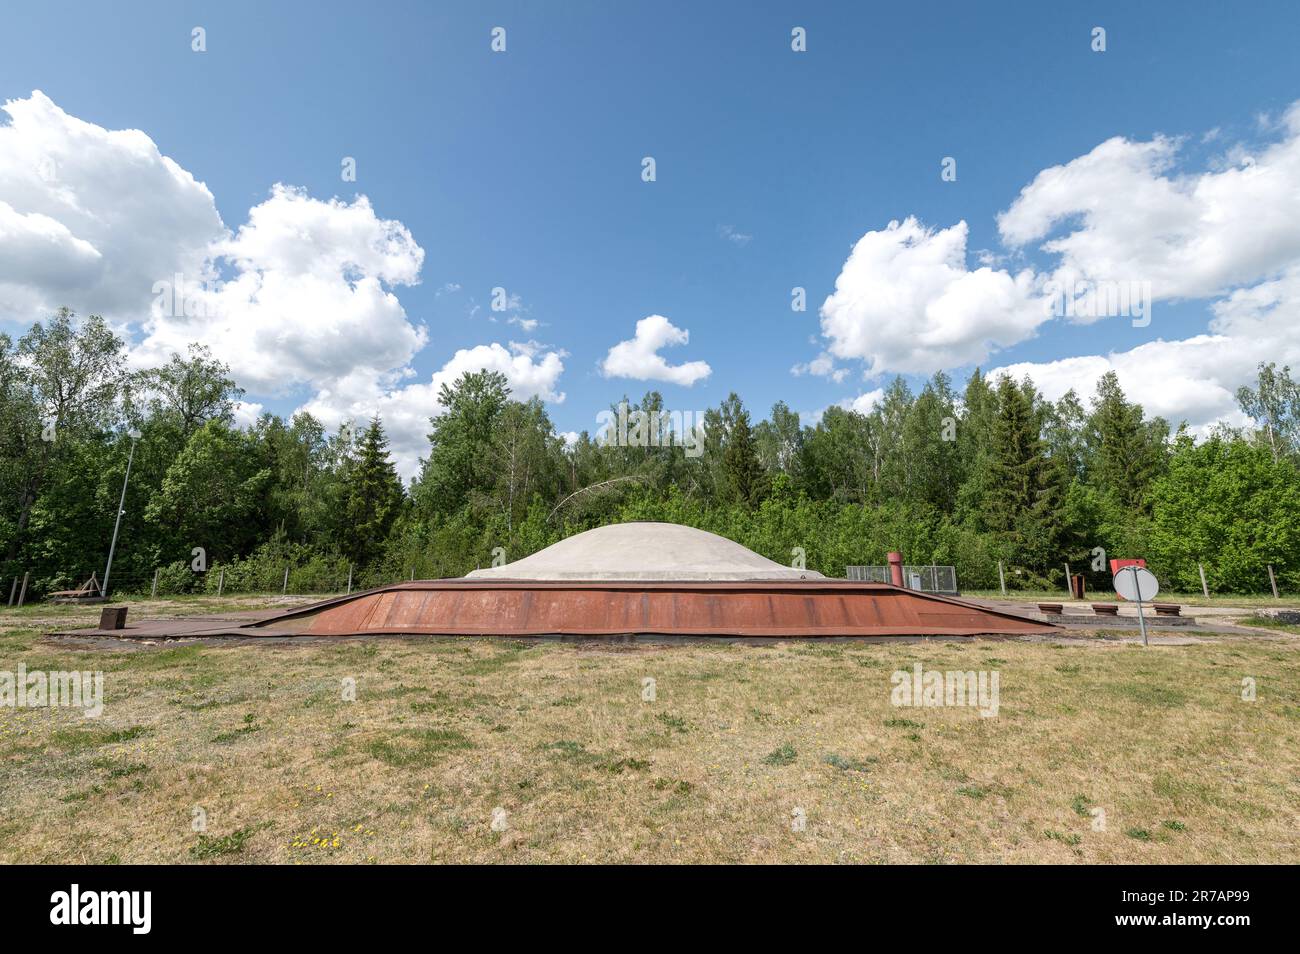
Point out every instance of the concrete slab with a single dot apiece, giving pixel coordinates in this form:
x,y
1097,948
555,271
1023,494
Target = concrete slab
x,y
227,624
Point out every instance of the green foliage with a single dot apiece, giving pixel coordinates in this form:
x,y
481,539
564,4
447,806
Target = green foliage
x,y
784,754
1023,487
459,440
174,579
372,498
210,846
1274,404
213,492
779,442
1230,505
1123,452
188,392
993,474
745,481
262,571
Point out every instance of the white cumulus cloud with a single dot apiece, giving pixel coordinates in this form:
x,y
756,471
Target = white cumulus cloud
x,y
906,301
302,296
821,366
638,358
1192,379
1131,217
1123,214
91,217
310,297
1229,235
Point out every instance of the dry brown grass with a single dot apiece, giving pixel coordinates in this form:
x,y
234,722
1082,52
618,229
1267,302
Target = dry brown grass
x,y
556,734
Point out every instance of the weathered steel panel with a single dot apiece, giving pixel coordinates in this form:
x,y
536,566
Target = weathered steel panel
x,y
758,608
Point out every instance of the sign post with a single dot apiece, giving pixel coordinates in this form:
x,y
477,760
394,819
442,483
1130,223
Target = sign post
x,y
1137,583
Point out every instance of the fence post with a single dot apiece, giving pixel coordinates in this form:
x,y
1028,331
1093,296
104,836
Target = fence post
x,y
412,574
284,587
13,590
1002,580
1272,581
349,577
1204,589
221,581
22,594
153,591
1067,580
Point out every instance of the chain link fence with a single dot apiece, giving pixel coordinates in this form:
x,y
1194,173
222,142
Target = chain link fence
x,y
925,579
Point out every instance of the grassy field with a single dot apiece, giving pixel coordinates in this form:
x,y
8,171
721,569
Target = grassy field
x,y
40,614
555,741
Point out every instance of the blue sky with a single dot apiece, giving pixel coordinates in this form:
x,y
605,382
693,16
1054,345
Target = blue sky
x,y
522,169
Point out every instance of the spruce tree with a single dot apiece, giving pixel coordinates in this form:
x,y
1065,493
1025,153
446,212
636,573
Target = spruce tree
x,y
1025,486
1125,453
974,440
373,497
746,481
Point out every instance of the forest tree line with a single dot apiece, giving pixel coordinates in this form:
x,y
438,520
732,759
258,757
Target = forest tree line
x,y
969,477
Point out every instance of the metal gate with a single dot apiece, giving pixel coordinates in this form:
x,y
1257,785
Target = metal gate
x,y
926,579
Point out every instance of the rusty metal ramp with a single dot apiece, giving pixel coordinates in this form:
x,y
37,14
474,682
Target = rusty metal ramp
x,y
757,608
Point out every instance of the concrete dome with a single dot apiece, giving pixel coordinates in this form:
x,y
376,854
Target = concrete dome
x,y
645,551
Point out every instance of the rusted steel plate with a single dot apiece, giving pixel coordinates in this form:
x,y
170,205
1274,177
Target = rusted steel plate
x,y
758,608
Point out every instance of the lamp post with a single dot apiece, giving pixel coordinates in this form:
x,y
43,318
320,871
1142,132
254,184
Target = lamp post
x,y
117,524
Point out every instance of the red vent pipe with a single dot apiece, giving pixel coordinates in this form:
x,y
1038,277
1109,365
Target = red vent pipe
x,y
895,567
